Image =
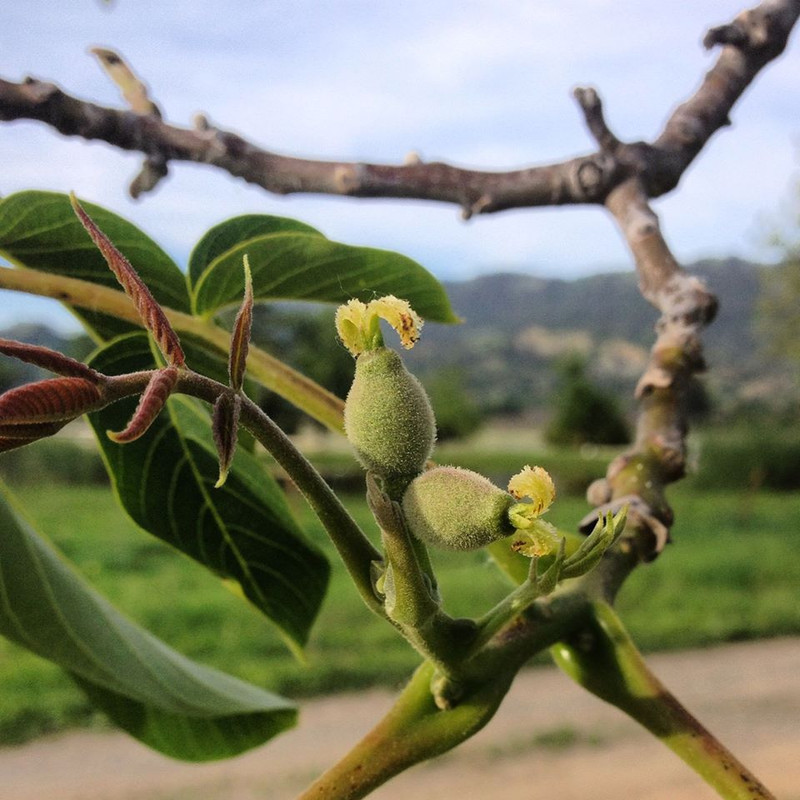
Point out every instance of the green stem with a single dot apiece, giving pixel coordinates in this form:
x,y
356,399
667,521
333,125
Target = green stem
x,y
414,730
607,663
355,549
412,600
272,373
511,606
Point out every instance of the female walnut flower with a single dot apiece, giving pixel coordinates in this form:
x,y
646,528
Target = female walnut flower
x,y
535,536
358,323
387,415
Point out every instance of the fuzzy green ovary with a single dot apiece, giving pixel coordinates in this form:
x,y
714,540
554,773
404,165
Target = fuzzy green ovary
x,y
388,417
457,509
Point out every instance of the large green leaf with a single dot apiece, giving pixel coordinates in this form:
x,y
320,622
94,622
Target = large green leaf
x,y
218,240
174,705
292,264
243,531
39,230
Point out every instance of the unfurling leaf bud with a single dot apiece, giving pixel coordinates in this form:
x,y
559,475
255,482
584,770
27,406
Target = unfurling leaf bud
x,y
50,400
151,402
225,426
151,313
457,509
240,337
388,417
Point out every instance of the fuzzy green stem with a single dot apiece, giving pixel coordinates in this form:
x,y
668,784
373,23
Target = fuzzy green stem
x,y
605,661
353,546
414,730
511,606
272,373
412,599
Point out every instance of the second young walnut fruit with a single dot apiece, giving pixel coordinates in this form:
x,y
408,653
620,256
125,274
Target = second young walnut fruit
x,y
457,509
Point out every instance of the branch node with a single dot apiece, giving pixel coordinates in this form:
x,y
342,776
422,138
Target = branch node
x,y
412,159
135,93
201,122
347,178
753,30
730,34
590,177
468,210
153,171
39,91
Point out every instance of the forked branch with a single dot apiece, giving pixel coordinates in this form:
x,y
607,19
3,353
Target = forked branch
x,y
753,39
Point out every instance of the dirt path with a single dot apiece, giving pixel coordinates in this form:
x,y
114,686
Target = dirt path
x,y
549,740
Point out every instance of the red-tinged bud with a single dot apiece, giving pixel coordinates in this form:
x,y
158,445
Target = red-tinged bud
x,y
30,431
240,337
49,359
14,436
51,400
151,313
152,401
225,426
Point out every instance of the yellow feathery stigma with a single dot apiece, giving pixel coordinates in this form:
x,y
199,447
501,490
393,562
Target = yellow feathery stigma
x,y
350,325
540,539
399,314
358,328
536,483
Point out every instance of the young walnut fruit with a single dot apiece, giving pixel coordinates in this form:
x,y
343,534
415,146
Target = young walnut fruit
x,y
388,417
457,509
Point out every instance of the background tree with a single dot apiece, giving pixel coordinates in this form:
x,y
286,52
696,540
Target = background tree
x,y
457,415
582,412
779,308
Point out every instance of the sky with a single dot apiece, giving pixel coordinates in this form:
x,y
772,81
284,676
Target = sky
x,y
478,83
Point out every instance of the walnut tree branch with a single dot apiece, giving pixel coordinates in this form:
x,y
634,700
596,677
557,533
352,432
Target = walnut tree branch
x,y
751,41
638,477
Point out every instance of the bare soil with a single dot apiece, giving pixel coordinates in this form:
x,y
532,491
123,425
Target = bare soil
x,y
549,740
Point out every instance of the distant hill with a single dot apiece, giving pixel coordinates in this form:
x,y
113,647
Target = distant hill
x,y
517,326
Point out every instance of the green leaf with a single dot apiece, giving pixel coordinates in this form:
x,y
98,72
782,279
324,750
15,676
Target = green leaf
x,y
39,230
243,531
293,264
226,235
170,703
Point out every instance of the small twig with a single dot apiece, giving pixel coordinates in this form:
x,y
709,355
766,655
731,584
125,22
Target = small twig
x,y
592,108
135,93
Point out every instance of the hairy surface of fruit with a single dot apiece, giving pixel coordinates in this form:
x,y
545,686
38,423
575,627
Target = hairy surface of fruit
x,y
388,417
456,509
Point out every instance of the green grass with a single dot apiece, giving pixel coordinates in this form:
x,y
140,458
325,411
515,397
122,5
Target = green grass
x,y
732,573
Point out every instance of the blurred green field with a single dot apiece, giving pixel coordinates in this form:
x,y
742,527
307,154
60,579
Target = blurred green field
x,y
732,573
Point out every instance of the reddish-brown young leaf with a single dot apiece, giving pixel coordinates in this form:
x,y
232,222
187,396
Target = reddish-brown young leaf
x,y
14,436
149,310
152,401
240,338
30,431
224,426
49,359
51,400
